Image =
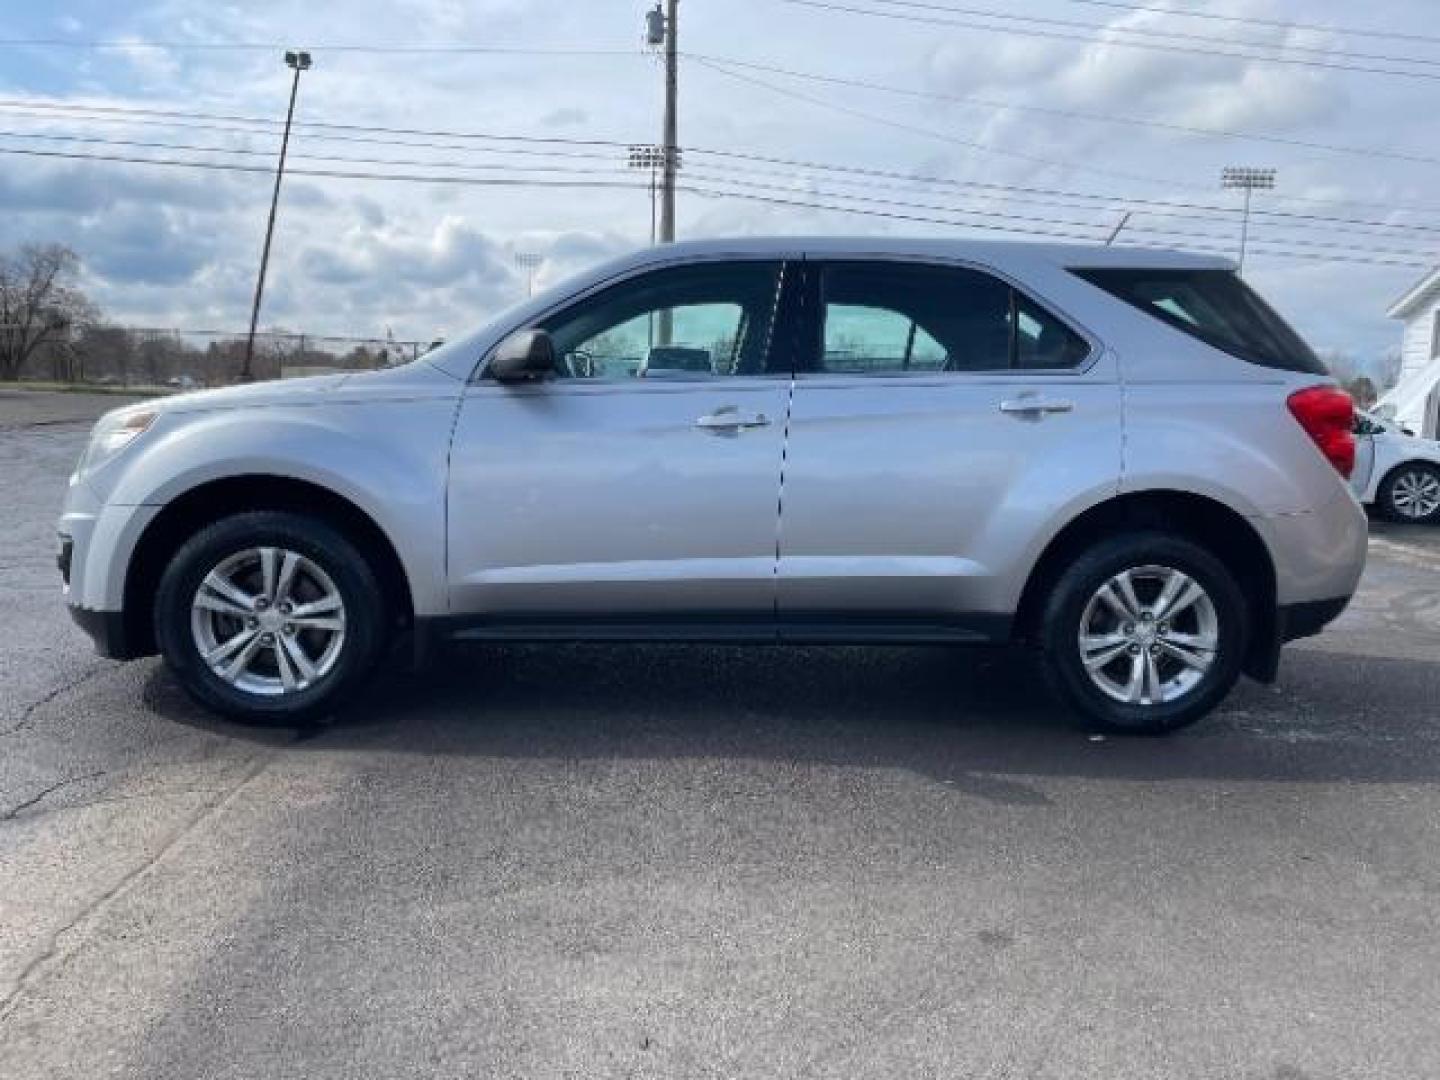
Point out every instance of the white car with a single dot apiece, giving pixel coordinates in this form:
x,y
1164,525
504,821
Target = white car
x,y
1395,471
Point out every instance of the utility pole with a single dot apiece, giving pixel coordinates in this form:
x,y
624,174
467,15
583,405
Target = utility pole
x,y
670,139
663,28
1248,181
298,62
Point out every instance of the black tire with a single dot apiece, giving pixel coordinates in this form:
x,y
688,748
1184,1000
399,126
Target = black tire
x,y
1066,608
315,540
1420,471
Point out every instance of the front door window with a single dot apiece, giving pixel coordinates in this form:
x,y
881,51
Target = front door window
x,y
691,322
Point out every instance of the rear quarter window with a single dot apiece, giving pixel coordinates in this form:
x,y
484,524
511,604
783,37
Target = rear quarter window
x,y
1214,306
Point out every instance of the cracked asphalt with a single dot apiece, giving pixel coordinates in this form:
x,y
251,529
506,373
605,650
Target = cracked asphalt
x,y
686,861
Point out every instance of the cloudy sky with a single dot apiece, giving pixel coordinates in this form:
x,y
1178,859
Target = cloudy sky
x,y
992,131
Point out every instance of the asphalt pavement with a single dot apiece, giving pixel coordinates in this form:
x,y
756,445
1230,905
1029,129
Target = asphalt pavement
x,y
692,861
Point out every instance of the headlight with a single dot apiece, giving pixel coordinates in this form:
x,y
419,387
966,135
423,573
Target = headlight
x,y
113,433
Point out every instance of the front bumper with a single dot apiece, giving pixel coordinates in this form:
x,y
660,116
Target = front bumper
x,y
95,545
107,631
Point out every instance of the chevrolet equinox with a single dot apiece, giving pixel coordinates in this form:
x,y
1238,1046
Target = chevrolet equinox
x,y
1123,458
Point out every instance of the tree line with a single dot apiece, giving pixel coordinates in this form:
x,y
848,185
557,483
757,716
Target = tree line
x,y
50,330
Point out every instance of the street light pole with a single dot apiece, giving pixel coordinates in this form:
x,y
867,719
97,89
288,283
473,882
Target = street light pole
x,y
298,62
1248,181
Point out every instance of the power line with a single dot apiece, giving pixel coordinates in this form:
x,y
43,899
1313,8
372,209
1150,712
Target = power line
x,y
1040,197
931,20
1264,249
969,144
148,144
531,146
252,127
1017,224
317,124
1292,242
1151,207
1141,31
1069,114
334,174
985,148
1351,31
124,45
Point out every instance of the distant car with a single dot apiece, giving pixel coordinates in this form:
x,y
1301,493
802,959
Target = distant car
x,y
1124,459
182,382
1396,471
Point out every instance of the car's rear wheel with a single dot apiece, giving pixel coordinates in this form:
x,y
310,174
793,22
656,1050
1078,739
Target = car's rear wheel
x,y
1144,633
1412,493
269,617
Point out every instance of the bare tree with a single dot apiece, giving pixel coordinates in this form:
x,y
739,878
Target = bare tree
x,y
1390,363
39,302
1362,389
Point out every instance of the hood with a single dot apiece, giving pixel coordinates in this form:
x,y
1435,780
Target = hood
x,y
408,381
257,393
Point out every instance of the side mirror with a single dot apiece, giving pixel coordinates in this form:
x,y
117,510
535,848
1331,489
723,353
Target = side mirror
x,y
524,356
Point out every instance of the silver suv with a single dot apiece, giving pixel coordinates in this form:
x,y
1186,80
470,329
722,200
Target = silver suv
x,y
1123,458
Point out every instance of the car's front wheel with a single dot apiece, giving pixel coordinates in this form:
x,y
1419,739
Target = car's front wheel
x,y
269,617
1412,493
1144,633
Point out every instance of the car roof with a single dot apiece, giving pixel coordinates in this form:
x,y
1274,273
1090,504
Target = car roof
x,y
997,253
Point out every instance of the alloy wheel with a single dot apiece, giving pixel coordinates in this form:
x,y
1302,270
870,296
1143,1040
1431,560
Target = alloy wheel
x,y
1148,635
1416,494
269,621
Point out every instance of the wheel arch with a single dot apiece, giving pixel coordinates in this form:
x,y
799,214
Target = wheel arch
x,y
215,499
1202,519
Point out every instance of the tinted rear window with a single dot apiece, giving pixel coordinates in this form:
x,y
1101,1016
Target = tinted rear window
x,y
1214,306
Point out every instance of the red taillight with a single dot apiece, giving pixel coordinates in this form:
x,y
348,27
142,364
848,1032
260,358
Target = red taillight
x,y
1328,416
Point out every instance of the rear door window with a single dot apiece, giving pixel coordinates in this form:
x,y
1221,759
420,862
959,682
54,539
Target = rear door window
x,y
1214,306
891,318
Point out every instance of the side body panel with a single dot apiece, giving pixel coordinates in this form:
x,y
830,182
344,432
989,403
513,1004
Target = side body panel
x,y
604,499
918,495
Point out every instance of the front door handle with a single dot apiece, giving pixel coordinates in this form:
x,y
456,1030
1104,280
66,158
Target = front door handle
x,y
728,418
1034,405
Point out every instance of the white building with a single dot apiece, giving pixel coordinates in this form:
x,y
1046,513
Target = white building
x,y
1416,397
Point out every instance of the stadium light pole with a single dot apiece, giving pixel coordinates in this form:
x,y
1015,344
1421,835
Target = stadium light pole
x,y
1248,181
529,261
297,62
651,158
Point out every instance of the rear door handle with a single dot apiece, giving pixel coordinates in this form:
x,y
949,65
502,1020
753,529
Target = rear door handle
x,y
729,418
1033,405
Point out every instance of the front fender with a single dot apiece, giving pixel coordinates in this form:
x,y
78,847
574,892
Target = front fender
x,y
388,459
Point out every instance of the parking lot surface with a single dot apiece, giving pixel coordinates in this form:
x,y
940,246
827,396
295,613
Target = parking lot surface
x,y
688,861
